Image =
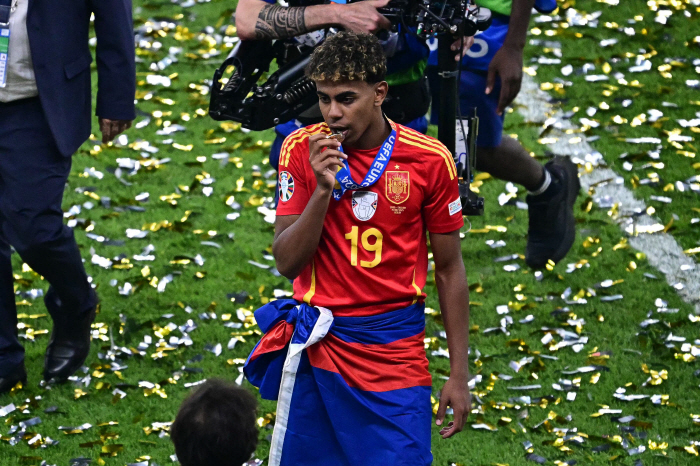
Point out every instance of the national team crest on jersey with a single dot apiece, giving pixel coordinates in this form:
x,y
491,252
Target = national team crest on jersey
x,y
364,204
286,186
397,186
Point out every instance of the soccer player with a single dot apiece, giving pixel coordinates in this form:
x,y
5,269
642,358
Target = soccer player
x,y
345,357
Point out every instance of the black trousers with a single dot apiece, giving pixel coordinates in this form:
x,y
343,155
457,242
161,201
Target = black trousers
x,y
33,175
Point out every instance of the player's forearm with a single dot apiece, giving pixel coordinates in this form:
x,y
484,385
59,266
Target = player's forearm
x,y
256,20
453,293
519,22
295,247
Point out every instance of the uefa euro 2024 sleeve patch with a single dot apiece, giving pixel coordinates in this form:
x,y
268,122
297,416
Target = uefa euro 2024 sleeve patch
x,y
286,186
364,204
455,206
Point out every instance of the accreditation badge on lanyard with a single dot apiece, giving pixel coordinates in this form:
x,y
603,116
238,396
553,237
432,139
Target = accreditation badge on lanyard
x,y
6,7
381,161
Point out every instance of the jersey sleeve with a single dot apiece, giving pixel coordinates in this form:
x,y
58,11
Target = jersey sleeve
x,y
442,208
292,185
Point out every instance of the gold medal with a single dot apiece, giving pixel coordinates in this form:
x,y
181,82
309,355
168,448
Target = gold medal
x,y
338,136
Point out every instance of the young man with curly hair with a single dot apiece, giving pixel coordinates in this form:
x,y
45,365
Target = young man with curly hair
x,y
359,197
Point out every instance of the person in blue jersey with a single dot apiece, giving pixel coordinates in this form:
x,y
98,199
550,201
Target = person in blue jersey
x,y
409,98
491,75
344,356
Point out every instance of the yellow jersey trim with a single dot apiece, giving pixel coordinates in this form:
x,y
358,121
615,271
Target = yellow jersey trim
x,y
293,139
419,137
312,289
448,160
290,140
408,132
418,290
285,145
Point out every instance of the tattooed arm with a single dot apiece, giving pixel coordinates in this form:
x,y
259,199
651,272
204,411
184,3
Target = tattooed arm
x,y
258,20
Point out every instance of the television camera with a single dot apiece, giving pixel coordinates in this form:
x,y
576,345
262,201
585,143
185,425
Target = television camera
x,y
287,92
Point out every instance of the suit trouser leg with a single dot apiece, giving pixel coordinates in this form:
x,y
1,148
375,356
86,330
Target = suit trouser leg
x,y
33,175
11,351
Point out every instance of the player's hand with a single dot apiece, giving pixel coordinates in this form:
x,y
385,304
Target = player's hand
x,y
455,393
363,16
325,160
110,129
468,41
508,64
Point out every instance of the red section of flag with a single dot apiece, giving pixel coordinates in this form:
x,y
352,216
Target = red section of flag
x,y
378,368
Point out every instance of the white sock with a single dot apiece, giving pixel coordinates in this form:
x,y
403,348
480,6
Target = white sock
x,y
545,184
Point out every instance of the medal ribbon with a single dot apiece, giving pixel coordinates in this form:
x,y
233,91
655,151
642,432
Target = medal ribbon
x,y
381,161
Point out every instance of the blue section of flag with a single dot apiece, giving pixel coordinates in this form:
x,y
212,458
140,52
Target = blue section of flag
x,y
281,309
353,427
268,380
381,329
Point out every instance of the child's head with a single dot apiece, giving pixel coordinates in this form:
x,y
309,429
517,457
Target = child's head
x,y
216,426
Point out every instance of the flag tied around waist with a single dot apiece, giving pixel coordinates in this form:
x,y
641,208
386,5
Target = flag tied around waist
x,y
359,386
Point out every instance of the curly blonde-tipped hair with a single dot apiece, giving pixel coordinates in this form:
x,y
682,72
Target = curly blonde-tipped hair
x,y
348,56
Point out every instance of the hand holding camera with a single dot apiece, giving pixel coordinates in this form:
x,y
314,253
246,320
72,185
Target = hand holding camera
x,y
363,16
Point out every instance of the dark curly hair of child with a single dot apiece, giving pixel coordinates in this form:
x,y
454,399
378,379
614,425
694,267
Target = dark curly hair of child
x,y
216,426
348,56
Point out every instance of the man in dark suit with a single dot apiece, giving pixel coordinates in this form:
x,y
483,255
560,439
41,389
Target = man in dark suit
x,y
45,115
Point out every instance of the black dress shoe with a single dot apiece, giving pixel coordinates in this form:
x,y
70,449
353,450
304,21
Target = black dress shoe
x,y
69,346
10,380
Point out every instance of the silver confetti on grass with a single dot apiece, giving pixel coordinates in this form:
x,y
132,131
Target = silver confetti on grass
x,y
661,249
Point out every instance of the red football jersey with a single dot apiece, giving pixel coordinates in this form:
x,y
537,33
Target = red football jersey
x,y
373,256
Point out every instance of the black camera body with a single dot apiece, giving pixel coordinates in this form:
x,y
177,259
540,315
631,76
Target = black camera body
x,y
285,94
428,19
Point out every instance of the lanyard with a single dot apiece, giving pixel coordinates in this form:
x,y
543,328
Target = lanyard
x,y
381,161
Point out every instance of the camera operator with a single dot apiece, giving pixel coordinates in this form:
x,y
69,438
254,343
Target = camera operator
x,y
408,100
491,74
